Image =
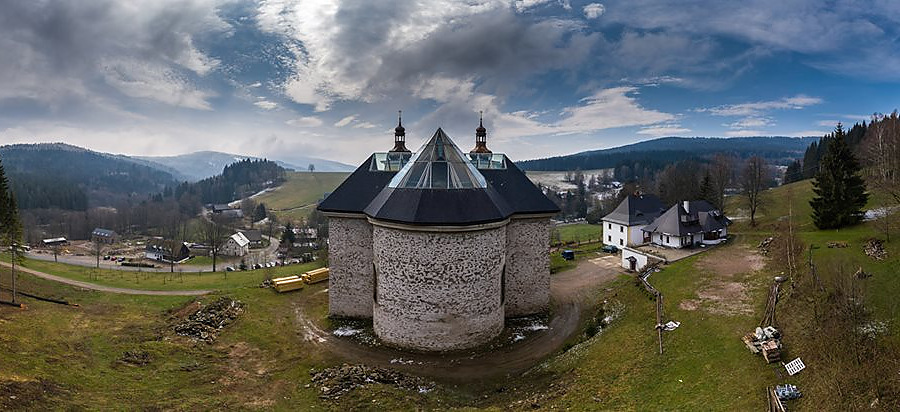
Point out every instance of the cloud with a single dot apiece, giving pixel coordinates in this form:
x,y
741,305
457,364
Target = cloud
x,y
53,51
751,122
265,104
305,121
345,121
594,10
664,130
756,108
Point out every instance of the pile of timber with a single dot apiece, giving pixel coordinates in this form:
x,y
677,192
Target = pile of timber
x,y
287,284
296,282
316,275
874,249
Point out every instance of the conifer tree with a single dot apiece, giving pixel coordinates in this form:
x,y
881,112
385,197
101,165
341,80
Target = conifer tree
x,y
10,226
840,191
707,192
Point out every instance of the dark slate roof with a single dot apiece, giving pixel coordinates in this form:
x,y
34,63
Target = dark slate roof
x,y
357,190
522,196
253,235
414,196
636,210
700,216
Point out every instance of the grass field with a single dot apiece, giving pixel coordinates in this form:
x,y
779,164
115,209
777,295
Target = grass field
x,y
298,195
69,357
579,232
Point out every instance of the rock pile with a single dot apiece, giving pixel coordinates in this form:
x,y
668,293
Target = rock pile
x,y
339,380
874,249
837,245
205,323
764,245
138,358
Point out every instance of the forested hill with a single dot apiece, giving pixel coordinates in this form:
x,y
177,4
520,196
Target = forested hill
x,y
238,180
58,175
656,153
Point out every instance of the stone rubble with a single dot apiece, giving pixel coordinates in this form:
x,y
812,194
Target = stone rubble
x,y
339,380
206,323
764,245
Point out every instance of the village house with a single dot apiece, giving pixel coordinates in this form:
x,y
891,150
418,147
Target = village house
x,y
253,235
688,224
227,211
236,245
56,241
624,225
167,251
104,236
438,247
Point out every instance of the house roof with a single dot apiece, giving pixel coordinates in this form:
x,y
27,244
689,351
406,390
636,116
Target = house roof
x,y
240,239
253,235
103,232
699,216
439,185
636,210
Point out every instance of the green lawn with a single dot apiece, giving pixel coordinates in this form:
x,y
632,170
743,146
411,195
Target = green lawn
x,y
165,280
301,190
579,232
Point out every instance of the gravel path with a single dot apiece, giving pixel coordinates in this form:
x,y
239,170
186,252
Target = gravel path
x,y
108,289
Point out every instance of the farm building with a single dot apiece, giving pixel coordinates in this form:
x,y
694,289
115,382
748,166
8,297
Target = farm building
x,y
253,235
623,226
167,250
104,236
236,245
687,224
438,247
56,241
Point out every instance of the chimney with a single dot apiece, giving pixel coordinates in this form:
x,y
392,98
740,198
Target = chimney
x,y
480,137
400,135
687,206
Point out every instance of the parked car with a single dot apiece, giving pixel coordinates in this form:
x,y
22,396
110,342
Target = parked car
x,y
610,249
120,259
229,269
568,254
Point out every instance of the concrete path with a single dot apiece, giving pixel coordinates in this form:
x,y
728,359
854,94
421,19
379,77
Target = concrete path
x,y
108,289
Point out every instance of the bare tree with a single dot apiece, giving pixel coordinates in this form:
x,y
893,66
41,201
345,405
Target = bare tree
x,y
97,250
753,180
177,235
721,171
214,235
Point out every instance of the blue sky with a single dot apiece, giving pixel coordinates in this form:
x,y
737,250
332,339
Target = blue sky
x,y
325,78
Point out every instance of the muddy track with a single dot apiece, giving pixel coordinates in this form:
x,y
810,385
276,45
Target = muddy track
x,y
571,294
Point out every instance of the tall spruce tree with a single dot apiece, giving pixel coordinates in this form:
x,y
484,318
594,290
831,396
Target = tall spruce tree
x,y
10,226
840,191
707,192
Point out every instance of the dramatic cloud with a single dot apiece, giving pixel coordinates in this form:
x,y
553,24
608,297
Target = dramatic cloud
x,y
756,108
593,10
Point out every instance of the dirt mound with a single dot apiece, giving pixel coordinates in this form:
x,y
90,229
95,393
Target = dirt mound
x,y
731,261
205,323
337,381
136,358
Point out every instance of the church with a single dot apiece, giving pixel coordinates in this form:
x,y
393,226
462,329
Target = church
x,y
438,247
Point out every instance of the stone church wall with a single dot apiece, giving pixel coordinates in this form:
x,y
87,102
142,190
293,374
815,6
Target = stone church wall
x,y
350,282
527,266
438,291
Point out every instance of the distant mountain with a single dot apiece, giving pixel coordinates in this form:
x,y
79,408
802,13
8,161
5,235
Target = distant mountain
x,y
775,149
57,175
201,165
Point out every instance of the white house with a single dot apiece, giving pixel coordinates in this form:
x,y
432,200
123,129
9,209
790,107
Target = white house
x,y
623,226
236,245
688,224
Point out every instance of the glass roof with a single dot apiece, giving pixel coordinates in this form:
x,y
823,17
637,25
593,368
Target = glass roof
x,y
438,164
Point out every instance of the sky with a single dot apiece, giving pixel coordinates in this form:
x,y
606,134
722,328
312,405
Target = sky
x,y
326,78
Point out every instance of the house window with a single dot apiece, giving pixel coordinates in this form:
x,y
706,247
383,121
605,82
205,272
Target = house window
x,y
609,238
621,229
374,284
609,225
503,286
667,239
620,242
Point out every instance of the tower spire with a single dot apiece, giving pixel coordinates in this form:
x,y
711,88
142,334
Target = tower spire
x,y
480,136
400,135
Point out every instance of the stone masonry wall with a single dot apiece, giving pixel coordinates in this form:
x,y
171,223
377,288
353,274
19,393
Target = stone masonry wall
x,y
527,266
438,291
350,259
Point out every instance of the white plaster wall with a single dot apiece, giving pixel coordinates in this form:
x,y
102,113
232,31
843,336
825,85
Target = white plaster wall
x,y
640,257
636,235
438,291
350,260
527,288
615,234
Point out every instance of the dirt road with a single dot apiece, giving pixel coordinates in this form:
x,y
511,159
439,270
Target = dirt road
x,y
108,289
571,293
